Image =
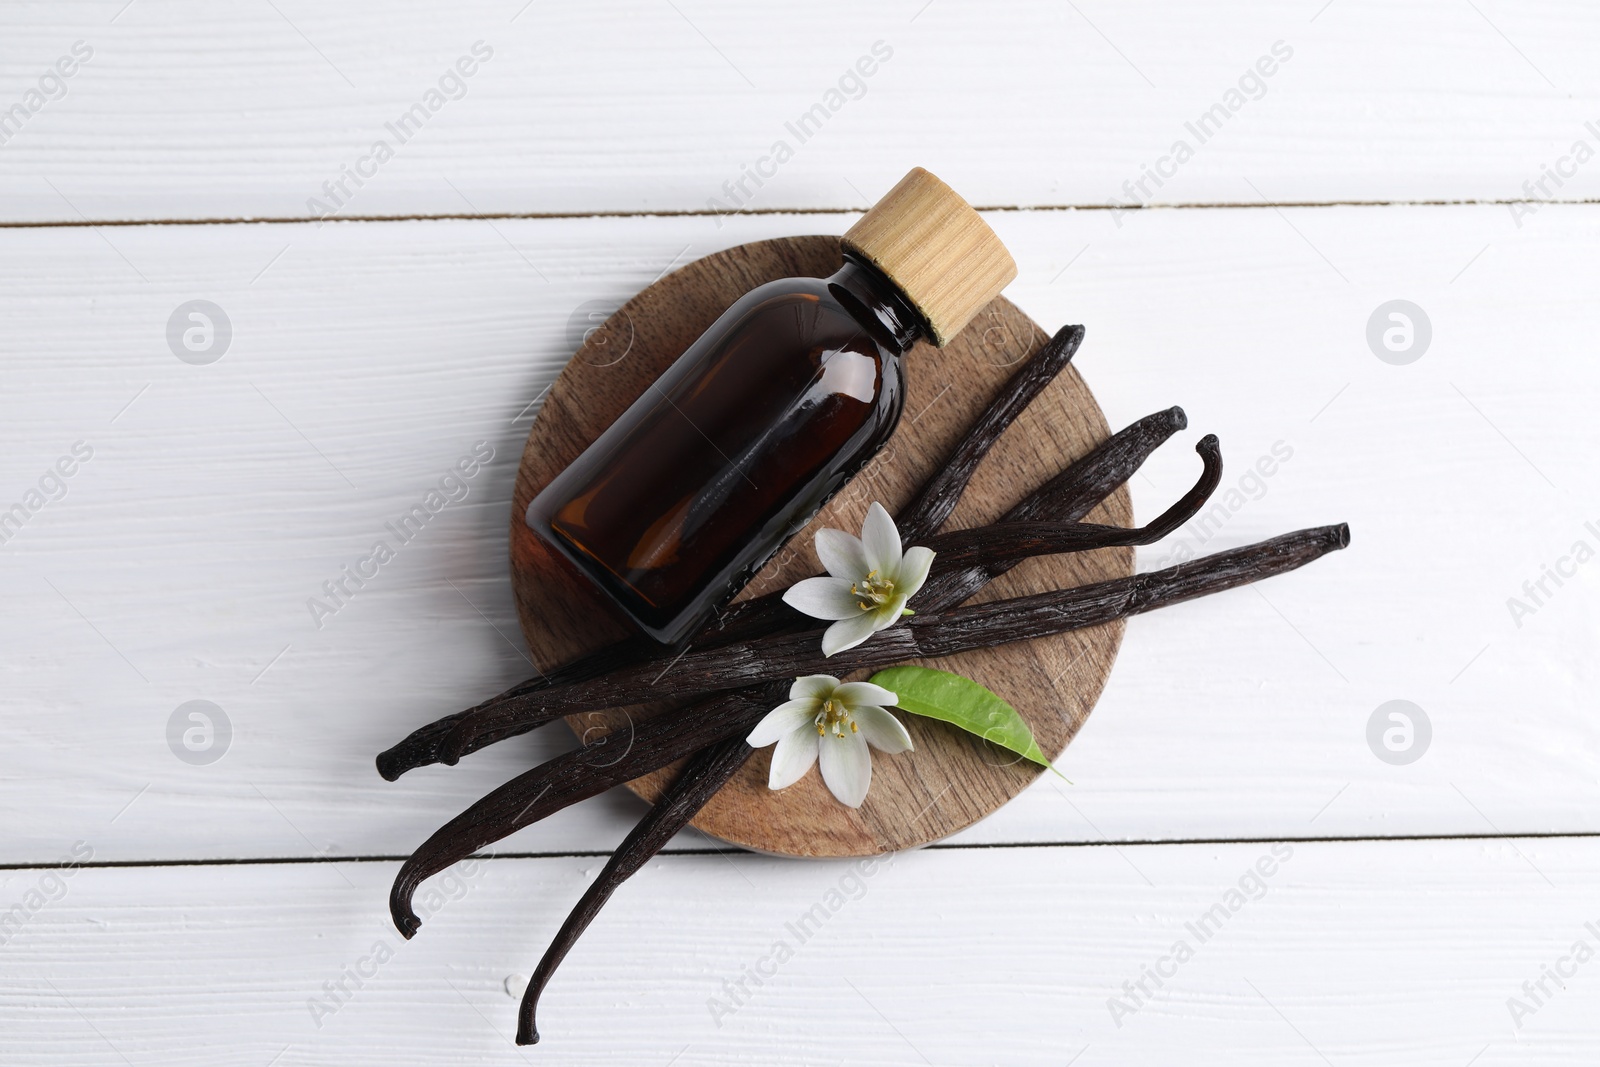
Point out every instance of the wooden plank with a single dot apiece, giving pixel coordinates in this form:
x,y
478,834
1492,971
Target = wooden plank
x,y
1352,953
180,562
191,110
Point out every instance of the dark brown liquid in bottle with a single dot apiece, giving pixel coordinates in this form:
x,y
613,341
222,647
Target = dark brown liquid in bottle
x,y
735,447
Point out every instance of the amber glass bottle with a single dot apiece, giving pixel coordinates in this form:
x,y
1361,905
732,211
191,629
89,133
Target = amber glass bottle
x,y
746,436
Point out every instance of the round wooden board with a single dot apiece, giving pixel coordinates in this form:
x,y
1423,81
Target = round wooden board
x,y
952,779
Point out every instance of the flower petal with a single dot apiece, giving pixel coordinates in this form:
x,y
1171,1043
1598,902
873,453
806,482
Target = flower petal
x,y
887,614
882,730
855,694
813,687
823,598
796,752
913,570
848,633
846,767
881,541
783,719
842,554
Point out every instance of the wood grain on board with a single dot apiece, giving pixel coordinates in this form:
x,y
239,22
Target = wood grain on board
x,y
950,780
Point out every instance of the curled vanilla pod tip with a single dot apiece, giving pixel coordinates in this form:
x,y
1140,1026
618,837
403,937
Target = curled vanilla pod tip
x,y
618,757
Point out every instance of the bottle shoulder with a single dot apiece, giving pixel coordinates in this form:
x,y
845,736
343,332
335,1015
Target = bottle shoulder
x,y
807,311
793,288
782,295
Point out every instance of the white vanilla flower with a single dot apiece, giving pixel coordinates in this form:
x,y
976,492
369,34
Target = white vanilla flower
x,y
869,581
823,721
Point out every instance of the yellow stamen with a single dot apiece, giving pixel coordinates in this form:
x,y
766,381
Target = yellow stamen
x,y
872,592
834,716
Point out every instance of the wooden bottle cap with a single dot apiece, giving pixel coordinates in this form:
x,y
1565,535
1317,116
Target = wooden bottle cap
x,y
941,254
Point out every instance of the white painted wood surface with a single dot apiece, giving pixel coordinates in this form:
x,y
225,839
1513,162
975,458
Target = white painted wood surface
x,y
189,109
367,358
1365,953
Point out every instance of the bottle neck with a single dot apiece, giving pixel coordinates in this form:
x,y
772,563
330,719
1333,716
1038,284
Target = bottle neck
x,y
877,303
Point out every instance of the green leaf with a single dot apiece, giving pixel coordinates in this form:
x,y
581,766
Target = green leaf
x,y
963,703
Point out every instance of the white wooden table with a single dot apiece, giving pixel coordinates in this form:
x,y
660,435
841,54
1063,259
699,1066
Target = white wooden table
x,y
381,325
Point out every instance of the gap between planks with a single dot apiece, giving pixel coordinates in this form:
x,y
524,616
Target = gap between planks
x,y
281,861
668,213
